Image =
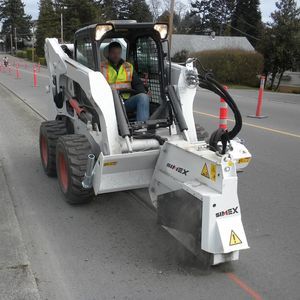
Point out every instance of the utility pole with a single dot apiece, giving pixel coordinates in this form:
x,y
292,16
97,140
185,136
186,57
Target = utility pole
x,y
61,27
33,38
172,5
16,39
11,44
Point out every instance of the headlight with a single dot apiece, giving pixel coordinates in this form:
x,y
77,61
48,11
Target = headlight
x,y
101,30
162,29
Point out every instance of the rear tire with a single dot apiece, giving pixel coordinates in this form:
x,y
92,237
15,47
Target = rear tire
x,y
71,159
50,131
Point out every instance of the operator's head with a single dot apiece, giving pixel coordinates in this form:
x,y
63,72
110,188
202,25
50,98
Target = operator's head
x,y
114,52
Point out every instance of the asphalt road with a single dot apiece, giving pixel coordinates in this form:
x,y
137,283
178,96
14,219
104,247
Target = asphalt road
x,y
113,249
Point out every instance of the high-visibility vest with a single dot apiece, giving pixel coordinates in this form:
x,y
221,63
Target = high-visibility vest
x,y
118,80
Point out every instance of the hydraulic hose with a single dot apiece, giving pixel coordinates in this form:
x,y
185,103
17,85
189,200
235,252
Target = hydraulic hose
x,y
209,83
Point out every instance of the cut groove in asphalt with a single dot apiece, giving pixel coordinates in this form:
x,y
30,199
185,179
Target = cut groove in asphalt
x,y
234,278
244,286
251,125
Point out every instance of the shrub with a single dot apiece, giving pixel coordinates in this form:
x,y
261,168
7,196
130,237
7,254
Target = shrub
x,y
42,61
232,66
21,54
29,53
180,56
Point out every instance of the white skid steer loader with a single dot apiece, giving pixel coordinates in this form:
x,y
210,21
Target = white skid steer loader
x,y
95,147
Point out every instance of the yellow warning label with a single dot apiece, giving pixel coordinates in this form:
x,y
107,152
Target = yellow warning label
x,y
110,163
230,163
244,160
213,172
205,172
234,239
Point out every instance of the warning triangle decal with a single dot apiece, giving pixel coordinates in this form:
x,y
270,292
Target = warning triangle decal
x,y
204,171
234,239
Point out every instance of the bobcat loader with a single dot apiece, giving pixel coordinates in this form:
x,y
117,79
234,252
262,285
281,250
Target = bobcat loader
x,y
95,147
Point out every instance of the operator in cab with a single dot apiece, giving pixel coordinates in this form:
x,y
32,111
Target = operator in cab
x,y
121,75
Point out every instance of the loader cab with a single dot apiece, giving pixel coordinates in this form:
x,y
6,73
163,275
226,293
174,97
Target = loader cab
x,y
144,45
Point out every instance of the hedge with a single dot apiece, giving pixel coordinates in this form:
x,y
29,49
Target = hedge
x,y
42,61
27,54
21,54
232,66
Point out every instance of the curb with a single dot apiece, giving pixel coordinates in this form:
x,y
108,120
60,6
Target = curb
x,y
26,103
16,277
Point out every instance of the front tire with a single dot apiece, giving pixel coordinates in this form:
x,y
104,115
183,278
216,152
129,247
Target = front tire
x,y
71,159
50,131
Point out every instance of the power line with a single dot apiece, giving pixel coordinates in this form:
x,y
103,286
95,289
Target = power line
x,y
237,18
243,32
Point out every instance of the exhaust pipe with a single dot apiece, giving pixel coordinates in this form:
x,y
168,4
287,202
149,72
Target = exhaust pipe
x,y
88,176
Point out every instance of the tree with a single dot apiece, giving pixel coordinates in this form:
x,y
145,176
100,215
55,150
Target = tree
x,y
76,14
126,10
214,15
190,24
155,8
246,20
114,10
47,26
139,10
158,7
14,19
285,24
164,17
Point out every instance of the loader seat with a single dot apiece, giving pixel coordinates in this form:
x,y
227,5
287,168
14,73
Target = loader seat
x,y
143,54
146,64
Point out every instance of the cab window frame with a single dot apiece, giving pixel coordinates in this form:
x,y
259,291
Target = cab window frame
x,y
91,57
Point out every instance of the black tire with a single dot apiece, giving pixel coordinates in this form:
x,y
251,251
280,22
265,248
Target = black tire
x,y
71,159
50,131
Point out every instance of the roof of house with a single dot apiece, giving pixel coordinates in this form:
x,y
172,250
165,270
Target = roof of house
x,y
195,43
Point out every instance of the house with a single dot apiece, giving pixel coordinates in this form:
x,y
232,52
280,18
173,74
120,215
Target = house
x,y
196,43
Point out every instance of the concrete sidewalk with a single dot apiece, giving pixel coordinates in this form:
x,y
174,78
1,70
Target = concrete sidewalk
x,y
23,88
16,279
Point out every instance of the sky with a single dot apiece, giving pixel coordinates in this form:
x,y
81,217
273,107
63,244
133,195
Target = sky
x,y
267,6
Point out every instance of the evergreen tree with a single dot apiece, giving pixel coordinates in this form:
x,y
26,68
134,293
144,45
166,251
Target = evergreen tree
x,y
139,11
76,14
115,10
246,20
285,25
190,24
48,25
13,18
214,15
126,10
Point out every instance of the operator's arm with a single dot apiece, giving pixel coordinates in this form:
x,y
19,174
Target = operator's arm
x,y
137,83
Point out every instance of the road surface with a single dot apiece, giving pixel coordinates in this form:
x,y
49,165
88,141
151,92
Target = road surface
x,y
113,249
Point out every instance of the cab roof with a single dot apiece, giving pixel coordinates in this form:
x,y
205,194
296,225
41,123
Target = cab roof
x,y
121,27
